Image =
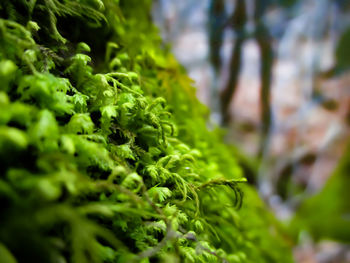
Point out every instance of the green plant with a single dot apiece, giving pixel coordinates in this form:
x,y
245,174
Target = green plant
x,y
330,204
106,157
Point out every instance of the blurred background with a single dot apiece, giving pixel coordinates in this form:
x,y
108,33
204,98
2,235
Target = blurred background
x,y
275,74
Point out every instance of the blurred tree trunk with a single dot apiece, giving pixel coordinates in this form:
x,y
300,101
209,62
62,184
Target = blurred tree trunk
x,y
237,21
266,57
228,93
217,19
264,42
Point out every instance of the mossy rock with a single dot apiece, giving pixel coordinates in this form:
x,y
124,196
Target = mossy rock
x,y
104,149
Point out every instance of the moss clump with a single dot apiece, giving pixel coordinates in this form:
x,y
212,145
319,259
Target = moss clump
x,y
104,151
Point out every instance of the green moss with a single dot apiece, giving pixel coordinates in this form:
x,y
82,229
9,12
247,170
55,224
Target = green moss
x,y
326,214
104,148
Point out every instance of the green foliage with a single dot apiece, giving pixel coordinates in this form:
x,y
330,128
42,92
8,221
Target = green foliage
x,y
326,215
106,157
342,53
